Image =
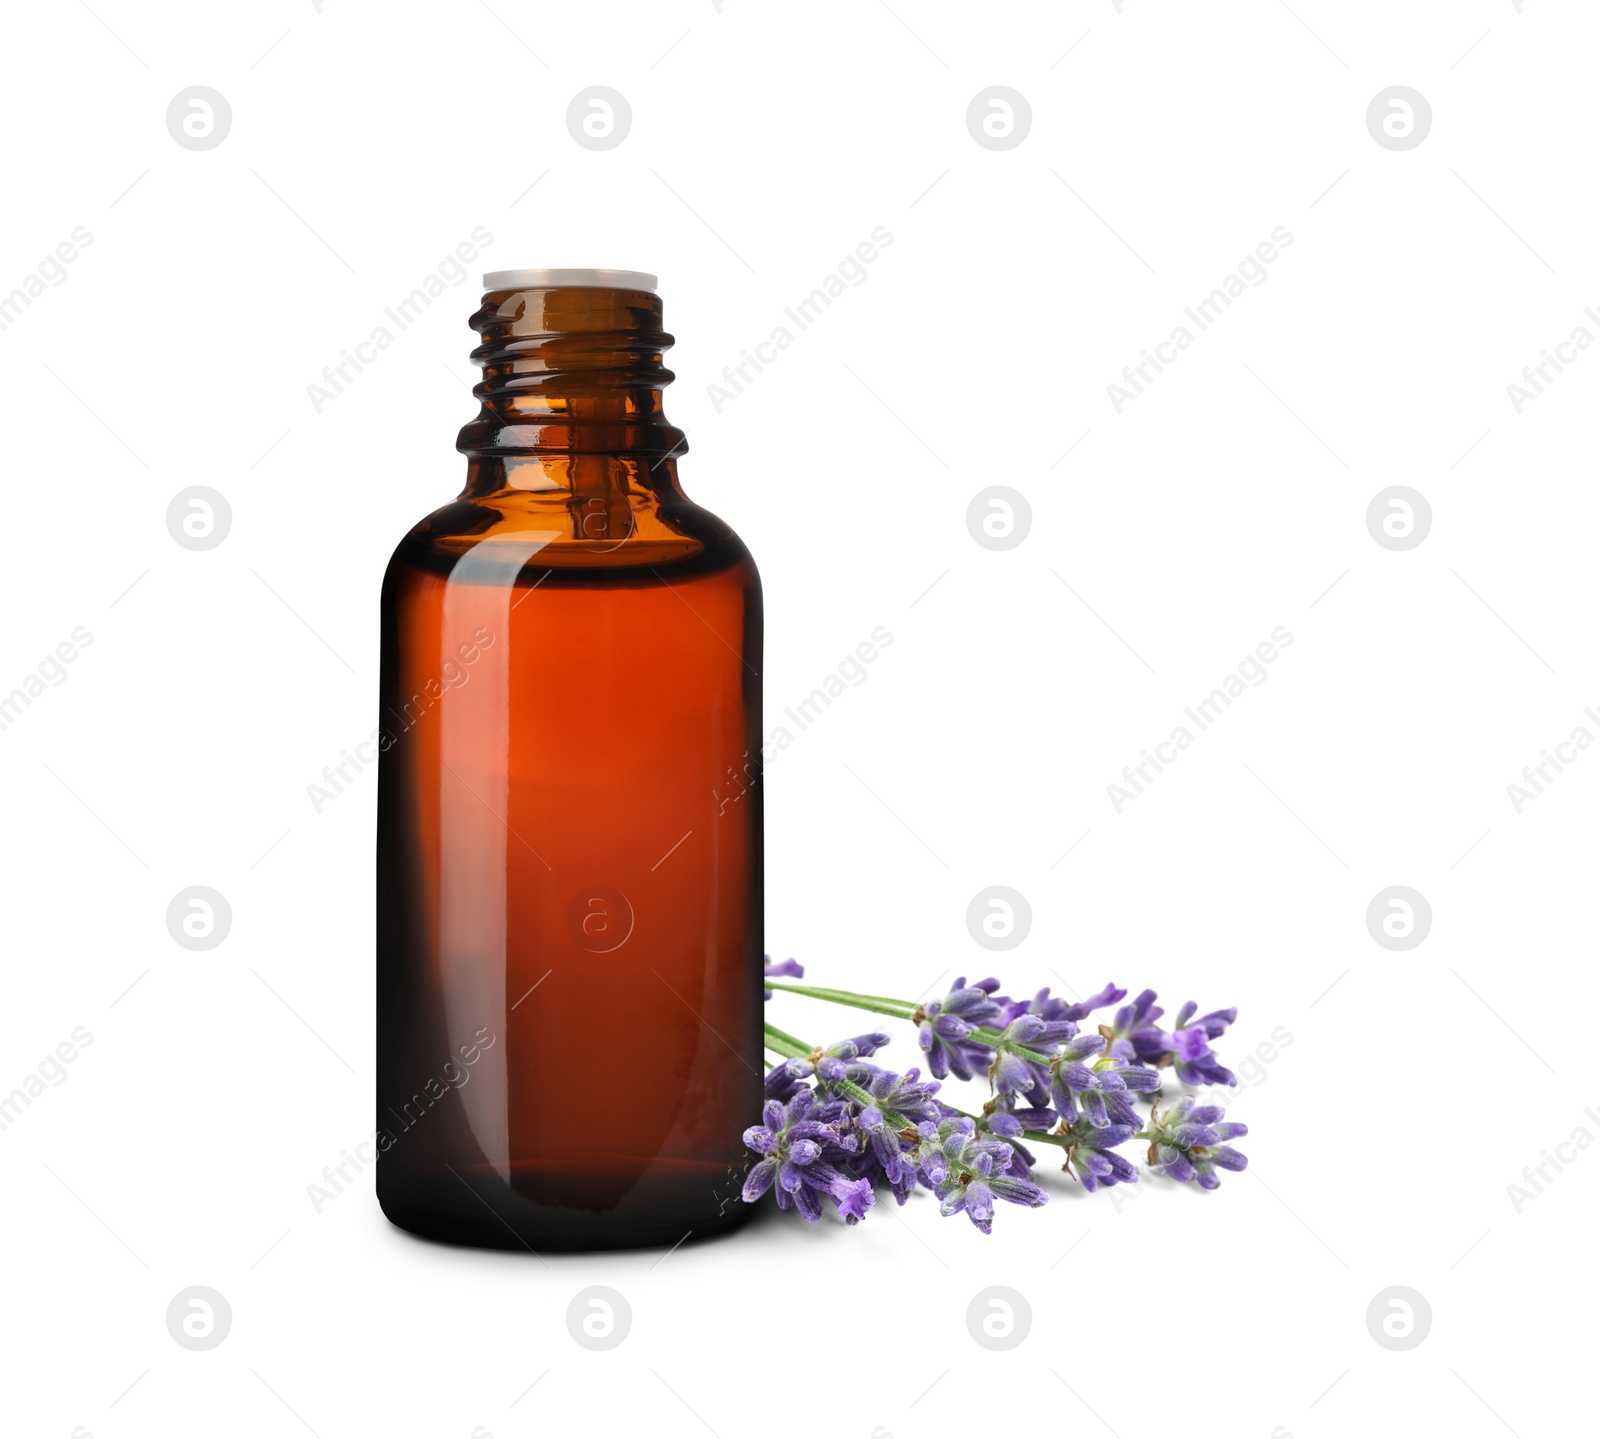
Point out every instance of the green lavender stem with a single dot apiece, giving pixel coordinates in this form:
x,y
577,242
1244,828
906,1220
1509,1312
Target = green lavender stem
x,y
785,1044
876,1003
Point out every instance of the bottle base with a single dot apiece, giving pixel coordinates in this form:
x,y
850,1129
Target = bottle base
x,y
566,1234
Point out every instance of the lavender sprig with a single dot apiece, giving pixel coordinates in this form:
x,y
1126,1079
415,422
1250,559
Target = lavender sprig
x,y
836,1125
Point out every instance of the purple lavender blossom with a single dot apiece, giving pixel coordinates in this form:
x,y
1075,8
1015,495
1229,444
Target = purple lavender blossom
x,y
782,1081
800,1146
1188,1142
836,1126
1112,1100
1043,1004
1193,1057
846,1053
1052,1007
1090,1155
905,1098
1118,1083
1084,1008
1073,1087
978,1171
888,1110
944,1028
997,1122
1026,1050
1135,1035
1195,1061
786,969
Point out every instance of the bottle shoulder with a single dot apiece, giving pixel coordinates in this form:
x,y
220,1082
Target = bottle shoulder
x,y
591,539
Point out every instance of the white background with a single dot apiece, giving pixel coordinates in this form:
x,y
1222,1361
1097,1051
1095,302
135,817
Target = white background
x,y
1167,142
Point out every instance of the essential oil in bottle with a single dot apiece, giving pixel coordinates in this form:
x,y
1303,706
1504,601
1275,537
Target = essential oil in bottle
x,y
569,819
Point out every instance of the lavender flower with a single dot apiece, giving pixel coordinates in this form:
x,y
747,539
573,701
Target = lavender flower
x,y
996,1122
785,1079
836,1126
974,1172
1195,1061
800,1146
907,1098
782,1083
1048,1006
1193,1057
1135,1035
1043,1004
1187,1142
890,1108
1090,1156
787,969
1073,1087
844,1052
1109,1103
1118,1083
1084,1008
944,1028
1024,1053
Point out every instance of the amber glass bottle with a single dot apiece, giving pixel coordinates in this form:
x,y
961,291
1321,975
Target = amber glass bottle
x,y
569,828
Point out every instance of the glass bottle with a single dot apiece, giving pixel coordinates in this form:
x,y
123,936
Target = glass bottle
x,y
569,821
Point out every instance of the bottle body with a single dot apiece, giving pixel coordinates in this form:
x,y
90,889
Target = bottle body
x,y
569,852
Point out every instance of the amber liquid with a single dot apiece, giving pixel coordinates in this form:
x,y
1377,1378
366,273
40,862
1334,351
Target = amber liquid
x,y
569,861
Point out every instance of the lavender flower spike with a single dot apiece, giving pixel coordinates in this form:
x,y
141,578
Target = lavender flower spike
x,y
944,1028
1193,1058
1048,1006
1135,1035
1072,1084
976,1172
906,1097
846,1051
1085,1007
1090,1156
1188,1142
800,1144
1024,1052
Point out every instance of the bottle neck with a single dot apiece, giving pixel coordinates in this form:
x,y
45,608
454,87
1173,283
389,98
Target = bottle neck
x,y
571,393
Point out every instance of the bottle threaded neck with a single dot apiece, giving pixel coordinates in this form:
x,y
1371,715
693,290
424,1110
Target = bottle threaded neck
x,y
571,370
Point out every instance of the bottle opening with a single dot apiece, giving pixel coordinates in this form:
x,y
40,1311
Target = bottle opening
x,y
577,279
